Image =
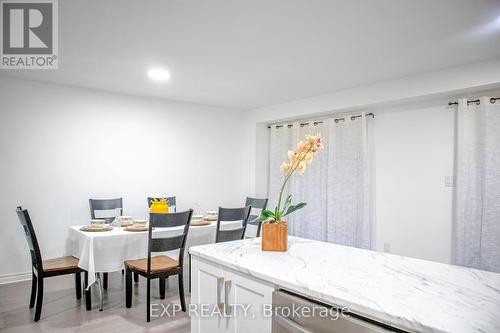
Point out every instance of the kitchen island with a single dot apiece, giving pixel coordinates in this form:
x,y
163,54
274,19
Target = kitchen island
x,y
398,292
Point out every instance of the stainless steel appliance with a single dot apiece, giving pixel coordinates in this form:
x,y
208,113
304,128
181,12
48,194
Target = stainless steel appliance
x,y
296,314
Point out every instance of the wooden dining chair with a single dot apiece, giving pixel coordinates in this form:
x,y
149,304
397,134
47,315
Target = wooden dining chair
x,y
170,200
103,205
232,214
161,266
259,204
42,269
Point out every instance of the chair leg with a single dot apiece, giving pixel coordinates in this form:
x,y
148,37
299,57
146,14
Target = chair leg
x,y
148,302
181,292
78,285
39,299
33,291
162,287
136,277
88,294
128,288
105,281
189,282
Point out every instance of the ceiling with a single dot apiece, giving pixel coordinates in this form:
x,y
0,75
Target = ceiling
x,y
246,54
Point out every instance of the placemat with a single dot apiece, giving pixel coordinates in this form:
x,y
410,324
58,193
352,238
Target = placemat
x,y
88,228
136,229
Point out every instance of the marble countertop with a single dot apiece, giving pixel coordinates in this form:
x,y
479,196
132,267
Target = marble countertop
x,y
411,294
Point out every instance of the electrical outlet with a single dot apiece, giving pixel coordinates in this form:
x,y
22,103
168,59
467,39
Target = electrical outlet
x,y
387,247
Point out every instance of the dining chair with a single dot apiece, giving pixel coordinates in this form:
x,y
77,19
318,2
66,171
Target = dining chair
x,y
160,266
101,205
257,204
170,200
97,205
232,214
42,269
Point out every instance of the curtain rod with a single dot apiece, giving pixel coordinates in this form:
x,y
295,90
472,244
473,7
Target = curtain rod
x,y
477,101
316,123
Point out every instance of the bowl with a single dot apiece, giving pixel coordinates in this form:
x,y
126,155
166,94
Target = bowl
x,y
140,223
211,215
98,223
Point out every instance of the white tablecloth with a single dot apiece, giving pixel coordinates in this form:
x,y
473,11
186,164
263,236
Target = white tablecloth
x,y
106,251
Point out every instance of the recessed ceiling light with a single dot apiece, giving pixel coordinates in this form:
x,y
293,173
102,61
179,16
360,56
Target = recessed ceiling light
x,y
158,74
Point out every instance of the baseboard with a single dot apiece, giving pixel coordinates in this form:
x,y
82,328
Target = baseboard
x,y
15,277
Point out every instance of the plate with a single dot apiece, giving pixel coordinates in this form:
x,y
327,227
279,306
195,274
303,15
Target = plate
x,y
136,229
88,228
200,223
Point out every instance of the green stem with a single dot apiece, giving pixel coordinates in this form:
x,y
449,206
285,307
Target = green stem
x,y
277,212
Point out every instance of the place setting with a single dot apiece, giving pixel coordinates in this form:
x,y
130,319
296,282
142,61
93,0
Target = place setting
x,y
128,224
96,225
136,226
199,220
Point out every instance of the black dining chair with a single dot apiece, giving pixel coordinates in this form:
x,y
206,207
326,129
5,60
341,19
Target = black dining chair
x,y
42,269
170,200
258,204
232,214
161,266
105,205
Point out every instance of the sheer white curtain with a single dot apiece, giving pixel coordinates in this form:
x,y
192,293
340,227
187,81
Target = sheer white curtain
x,y
336,187
477,204
349,184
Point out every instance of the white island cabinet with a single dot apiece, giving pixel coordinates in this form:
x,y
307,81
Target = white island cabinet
x,y
392,292
226,301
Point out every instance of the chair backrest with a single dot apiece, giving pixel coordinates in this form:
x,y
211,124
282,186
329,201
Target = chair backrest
x,y
232,214
105,204
256,204
170,200
162,244
29,233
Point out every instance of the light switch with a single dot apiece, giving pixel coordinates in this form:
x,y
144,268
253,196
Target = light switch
x,y
449,181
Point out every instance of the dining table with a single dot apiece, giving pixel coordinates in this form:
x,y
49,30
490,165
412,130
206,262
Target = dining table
x,y
106,251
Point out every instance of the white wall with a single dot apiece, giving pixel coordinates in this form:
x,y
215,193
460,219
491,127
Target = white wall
x,y
59,146
413,153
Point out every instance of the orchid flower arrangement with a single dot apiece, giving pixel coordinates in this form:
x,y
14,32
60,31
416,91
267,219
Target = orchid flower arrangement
x,y
298,160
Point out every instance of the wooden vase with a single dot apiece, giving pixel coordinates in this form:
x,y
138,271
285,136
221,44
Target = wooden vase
x,y
274,236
